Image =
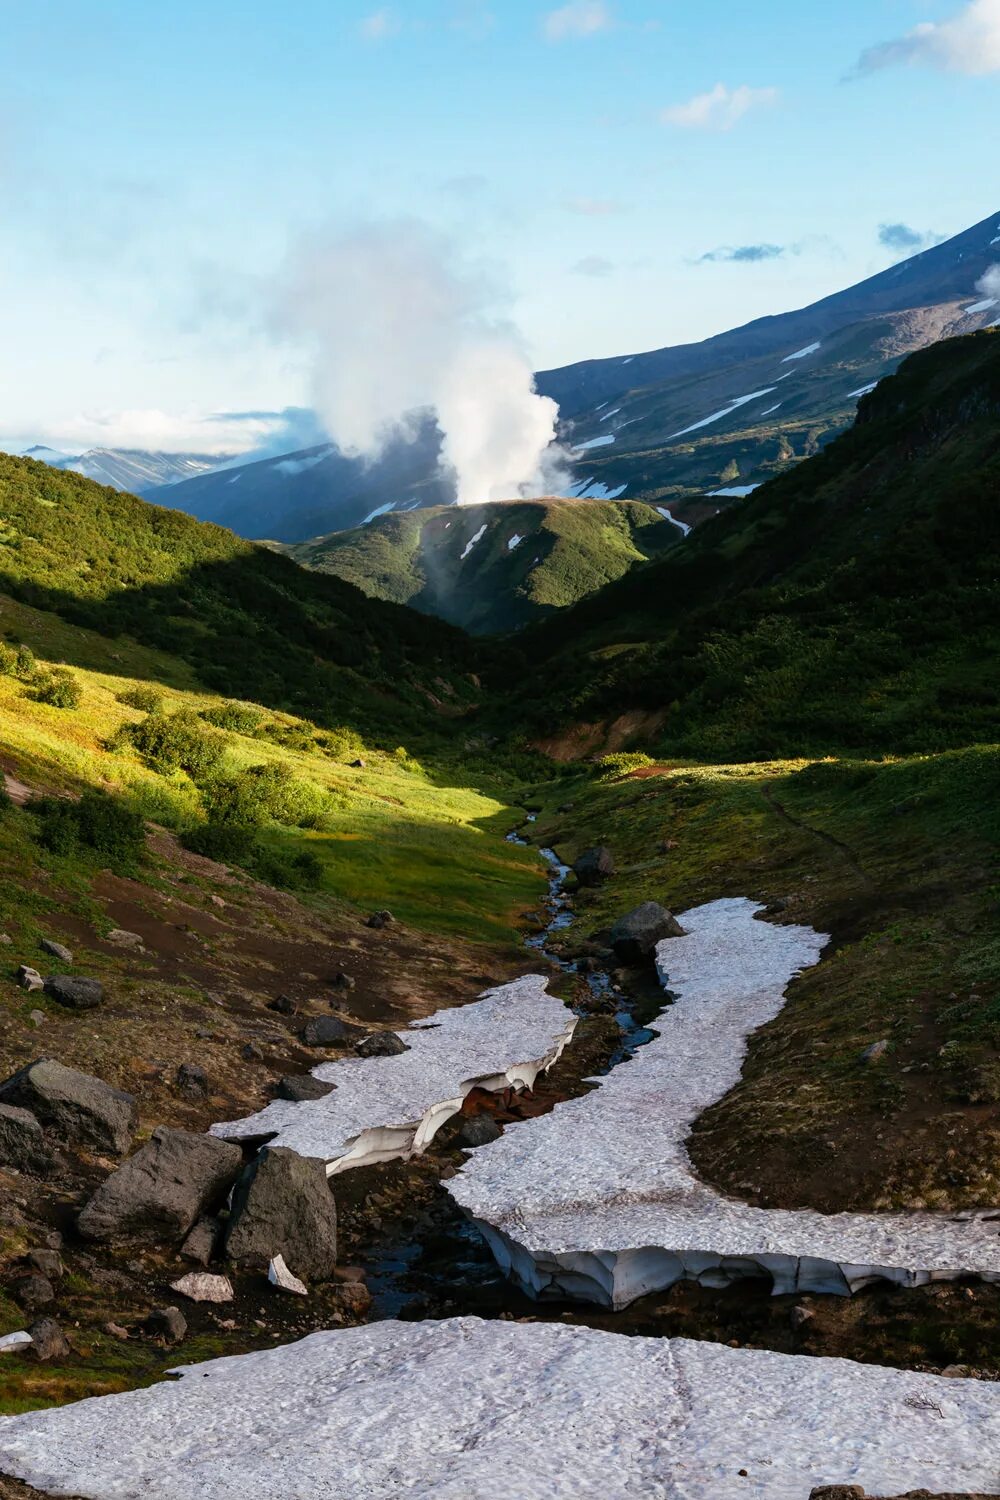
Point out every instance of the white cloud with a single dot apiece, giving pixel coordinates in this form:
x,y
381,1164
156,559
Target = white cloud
x,y
593,208
718,109
212,433
989,282
379,26
579,18
967,43
594,265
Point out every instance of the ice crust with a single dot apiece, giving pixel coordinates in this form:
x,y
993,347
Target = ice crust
x,y
801,353
388,1107
599,1199
665,513
468,1410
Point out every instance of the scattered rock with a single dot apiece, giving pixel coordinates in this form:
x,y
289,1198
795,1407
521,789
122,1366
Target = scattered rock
x,y
29,978
284,1005
56,950
958,1372
282,1205
343,983
355,1297
75,992
480,1130
47,1263
217,901
349,1273
5,940
22,1145
116,1331
776,907
594,865
123,939
161,1191
48,1340
380,919
280,1276
77,1108
251,1052
201,1244
167,1323
381,1044
357,765
199,1286
327,1031
37,1018
800,1316
300,1088
874,1053
10,1342
635,936
32,1289
192,1081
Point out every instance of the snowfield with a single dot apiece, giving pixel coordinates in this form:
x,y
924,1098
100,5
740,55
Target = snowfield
x,y
472,542
597,442
681,525
469,1410
726,411
802,353
599,1200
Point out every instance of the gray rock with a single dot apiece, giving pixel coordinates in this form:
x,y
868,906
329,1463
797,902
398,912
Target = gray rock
x,y
48,1340
75,1107
47,1263
635,936
124,939
75,992
6,941
22,1145
381,1044
327,1031
29,978
594,865
284,1005
56,950
203,1241
37,1018
161,1191
32,1289
874,1053
251,1052
299,1089
380,919
199,1286
282,1205
343,983
167,1323
192,1081
480,1130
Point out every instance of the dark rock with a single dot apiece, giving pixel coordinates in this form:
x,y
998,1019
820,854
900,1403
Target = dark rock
x,y
47,1263
327,1031
837,1492
48,1340
251,1052
355,1298
22,1145
75,1107
56,950
381,1044
192,1081
594,865
635,936
203,1241
357,765
75,992
874,1053
298,1089
282,1205
380,919
343,983
167,1323
32,1289
284,1005
29,978
160,1191
480,1130
776,907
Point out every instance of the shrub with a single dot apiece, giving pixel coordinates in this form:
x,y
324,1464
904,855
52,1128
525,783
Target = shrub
x,y
25,665
228,843
614,767
342,743
264,792
104,825
239,718
146,699
58,688
174,742
8,660
298,872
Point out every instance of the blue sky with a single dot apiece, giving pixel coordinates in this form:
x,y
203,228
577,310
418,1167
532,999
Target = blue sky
x,y
158,164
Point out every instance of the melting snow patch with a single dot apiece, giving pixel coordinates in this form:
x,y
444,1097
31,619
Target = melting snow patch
x,y
235,479
734,492
589,489
770,409
599,1199
726,411
612,413
472,541
978,307
380,510
439,1410
598,442
664,512
629,360
515,541
862,390
801,353
387,1107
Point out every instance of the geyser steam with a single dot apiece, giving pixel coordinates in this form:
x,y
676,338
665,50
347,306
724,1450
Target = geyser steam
x,y
397,327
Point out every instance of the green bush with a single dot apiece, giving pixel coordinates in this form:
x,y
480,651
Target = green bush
x,y
58,688
174,742
297,872
239,718
103,825
614,767
262,793
25,665
8,660
146,699
228,843
237,844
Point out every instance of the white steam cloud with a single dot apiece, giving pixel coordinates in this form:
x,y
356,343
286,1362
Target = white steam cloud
x,y
395,327
989,282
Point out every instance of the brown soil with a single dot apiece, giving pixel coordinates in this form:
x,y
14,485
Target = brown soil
x,y
580,741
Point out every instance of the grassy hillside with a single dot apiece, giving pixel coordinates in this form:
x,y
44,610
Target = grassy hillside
x,y
493,568
850,604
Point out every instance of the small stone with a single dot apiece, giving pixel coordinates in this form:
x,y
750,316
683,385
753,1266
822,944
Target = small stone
x,y
355,1297
343,983
380,919
280,1276
201,1243
11,1342
47,1263
800,1316
167,1323
958,1372
284,1005
48,1340
123,939
22,1145
29,978
250,1052
33,1289
326,1031
75,992
480,1130
217,901
874,1053
299,1089
200,1286
349,1273
5,940
192,1081
115,1331
56,950
37,1018
381,1044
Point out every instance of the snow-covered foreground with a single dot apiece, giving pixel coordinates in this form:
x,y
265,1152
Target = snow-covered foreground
x,y
386,1107
467,1410
599,1199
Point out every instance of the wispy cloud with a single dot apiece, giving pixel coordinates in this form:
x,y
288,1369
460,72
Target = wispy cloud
x,y
578,18
969,42
902,240
594,265
380,26
593,208
743,253
718,109
214,433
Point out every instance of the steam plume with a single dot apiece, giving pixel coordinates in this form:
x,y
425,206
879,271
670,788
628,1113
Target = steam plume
x,y
395,326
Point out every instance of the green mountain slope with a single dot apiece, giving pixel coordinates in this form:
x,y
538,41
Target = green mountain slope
x,y
852,603
494,568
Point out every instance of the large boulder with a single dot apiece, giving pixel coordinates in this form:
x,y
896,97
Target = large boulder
x,y
594,865
75,1107
635,936
282,1205
75,992
328,1031
161,1191
300,1088
22,1144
